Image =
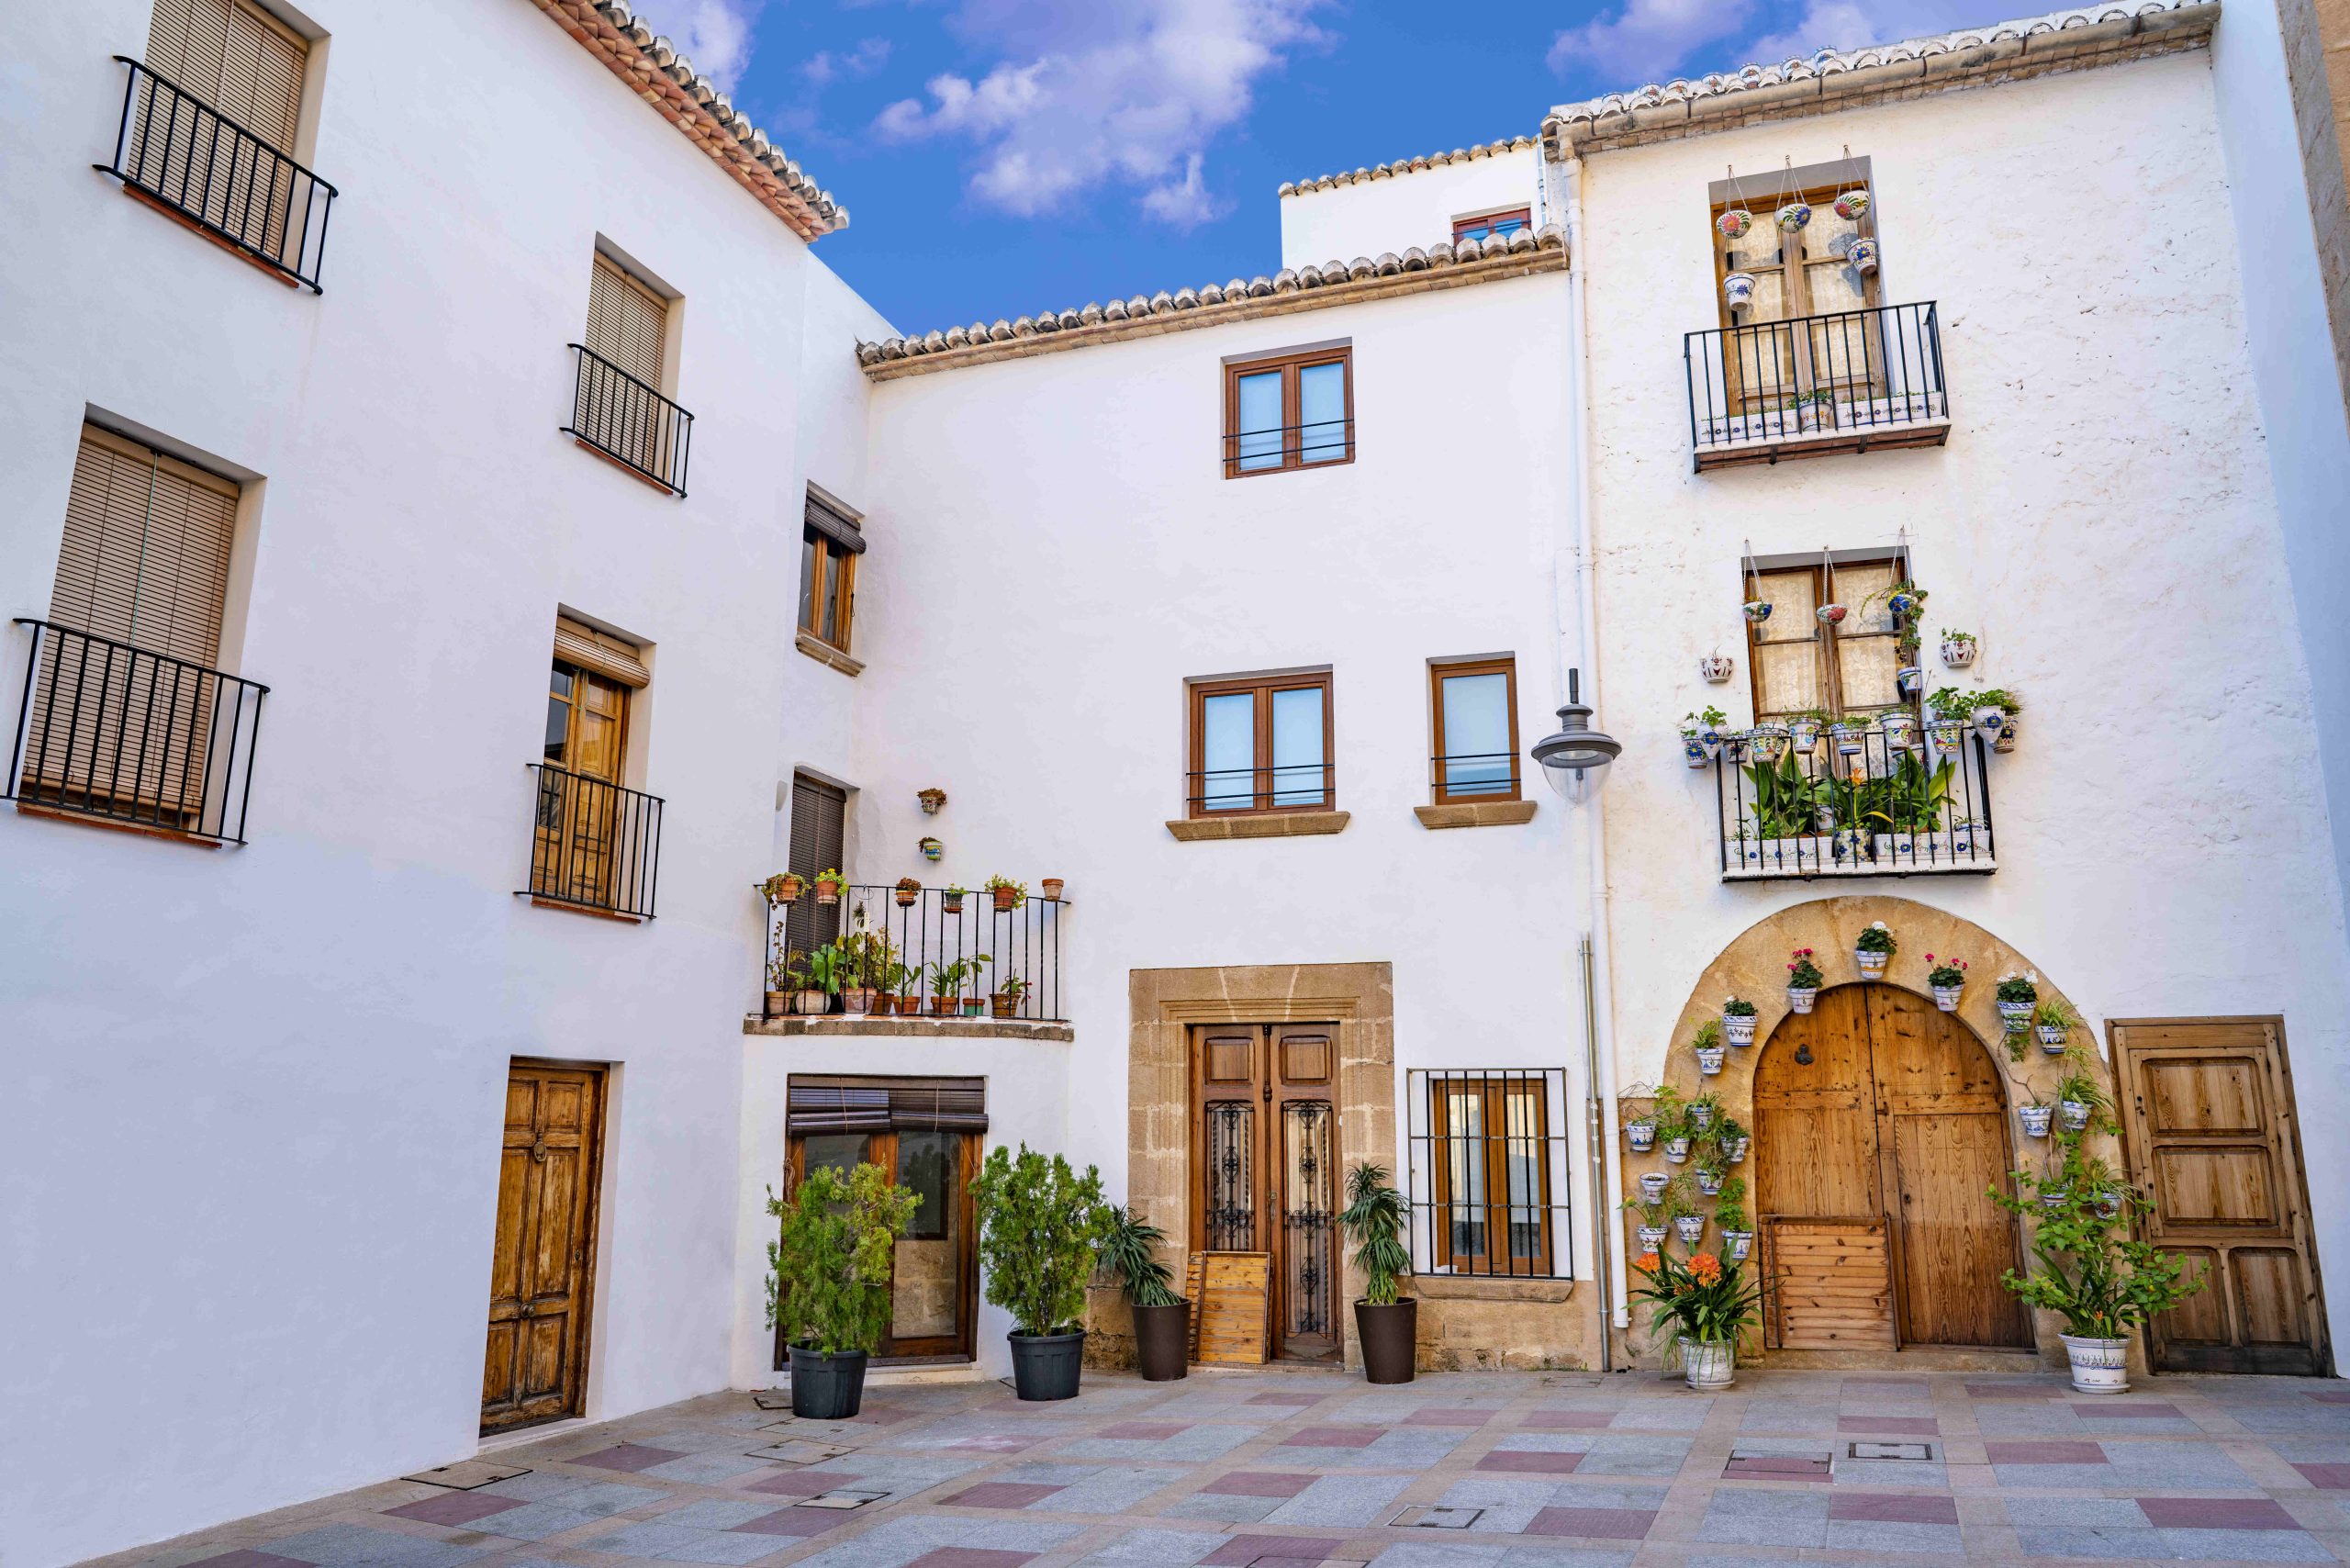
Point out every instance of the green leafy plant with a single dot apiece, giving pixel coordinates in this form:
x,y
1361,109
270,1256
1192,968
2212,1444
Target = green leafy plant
x,y
1802,973
1964,638
1999,697
1727,1130
1737,1007
2014,987
1680,1201
946,979
1019,890
1730,1204
828,1268
1710,1302
1374,1219
787,972
828,968
1012,988
1785,800
1130,1247
905,980
2055,1015
1040,1224
1707,1035
1649,1212
1709,717
1876,937
1671,1110
1952,702
1946,972
782,888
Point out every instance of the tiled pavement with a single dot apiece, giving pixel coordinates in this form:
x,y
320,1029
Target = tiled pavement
x,y
1310,1469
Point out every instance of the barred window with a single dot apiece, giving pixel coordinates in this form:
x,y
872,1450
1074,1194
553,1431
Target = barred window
x,y
1488,1169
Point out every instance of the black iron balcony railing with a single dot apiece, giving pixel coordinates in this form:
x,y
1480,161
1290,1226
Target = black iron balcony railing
x,y
594,843
1269,449
1285,786
106,729
1862,801
881,951
178,150
1817,383
1488,1177
629,421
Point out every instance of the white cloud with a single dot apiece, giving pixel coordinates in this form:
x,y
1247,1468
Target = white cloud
x,y
715,34
1643,41
1090,93
824,67
1844,23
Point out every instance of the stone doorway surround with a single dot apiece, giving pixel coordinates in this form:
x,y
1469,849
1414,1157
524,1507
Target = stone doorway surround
x,y
1754,966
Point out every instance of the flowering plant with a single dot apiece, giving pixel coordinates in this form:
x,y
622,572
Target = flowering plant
x,y
1948,972
2024,987
1737,1007
1709,1302
1876,938
1802,974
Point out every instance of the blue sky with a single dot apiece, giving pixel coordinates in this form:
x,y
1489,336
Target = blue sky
x,y
1001,157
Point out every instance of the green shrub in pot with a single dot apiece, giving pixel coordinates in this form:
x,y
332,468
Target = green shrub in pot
x,y
828,1281
1041,1225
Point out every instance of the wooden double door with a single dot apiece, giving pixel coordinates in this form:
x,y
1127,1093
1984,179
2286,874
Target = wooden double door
x,y
1880,1127
1265,1168
534,1366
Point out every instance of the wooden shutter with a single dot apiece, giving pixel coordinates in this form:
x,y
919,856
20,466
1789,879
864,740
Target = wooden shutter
x,y
626,322
615,658
819,823
248,66
1783,652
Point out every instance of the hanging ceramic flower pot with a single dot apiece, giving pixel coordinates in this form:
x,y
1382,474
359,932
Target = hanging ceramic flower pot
x,y
1803,733
1651,1236
1692,751
1900,729
1769,741
1863,255
1734,749
1989,720
2051,1197
1736,1244
1794,216
1958,649
2075,1112
1690,1228
1758,611
1738,290
1676,1149
1640,1133
1734,1150
2053,1037
1946,996
1945,735
1652,1185
1870,964
1734,223
1700,1117
1852,205
1832,614
2036,1119
1910,678
1738,1028
1801,998
1709,1181
1716,667
2006,740
1709,739
1847,738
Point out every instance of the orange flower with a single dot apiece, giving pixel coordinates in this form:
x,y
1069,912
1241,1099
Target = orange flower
x,y
1705,1268
1647,1262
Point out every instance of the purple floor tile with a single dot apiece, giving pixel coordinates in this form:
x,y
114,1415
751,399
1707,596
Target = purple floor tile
x,y
1331,1437
2216,1513
1143,1432
452,1508
1897,1426
2326,1477
1280,1398
2054,1451
628,1457
793,1521
2150,1412
1891,1387
1001,1494
1259,1484
1444,1417
1610,1524
1512,1461
1921,1508
1567,1420
1775,1467
2011,1390
799,1482
970,1557
1243,1550
2332,1396
246,1557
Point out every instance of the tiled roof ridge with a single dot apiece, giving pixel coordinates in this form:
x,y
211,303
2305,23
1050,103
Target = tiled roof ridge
x,y
1825,63
1408,165
692,102
1207,304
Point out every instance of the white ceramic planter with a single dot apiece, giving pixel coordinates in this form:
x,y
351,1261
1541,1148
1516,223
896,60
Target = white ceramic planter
x,y
1651,1236
1691,1228
1738,290
1990,721
2100,1366
1734,1150
1946,997
1709,1060
1945,735
1900,729
1957,655
1800,997
1738,1028
1691,752
1641,1135
2051,1037
1871,965
1710,1182
1804,733
1701,1117
1715,668
2015,1015
2075,1114
1652,1183
1712,1364
1737,1244
2036,1119
1676,1149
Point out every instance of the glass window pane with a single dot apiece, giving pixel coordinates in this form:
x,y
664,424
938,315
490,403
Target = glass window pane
x,y
1477,759
842,1151
1298,776
1228,751
1464,1158
808,573
1322,412
925,1294
1522,1159
1258,438
558,722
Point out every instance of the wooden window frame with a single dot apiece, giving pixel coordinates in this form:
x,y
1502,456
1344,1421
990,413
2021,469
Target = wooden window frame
x,y
1495,1088
1821,637
1485,221
1263,686
1795,281
836,572
1292,431
882,1150
1438,673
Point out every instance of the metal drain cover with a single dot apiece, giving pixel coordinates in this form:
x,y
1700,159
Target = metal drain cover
x,y
467,1474
798,1450
772,1398
840,1499
1435,1517
1890,1451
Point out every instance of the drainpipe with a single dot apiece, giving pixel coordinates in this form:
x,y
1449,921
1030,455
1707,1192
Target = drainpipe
x,y
1607,1243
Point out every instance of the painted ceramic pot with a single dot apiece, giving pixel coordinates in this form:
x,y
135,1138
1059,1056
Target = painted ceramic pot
x,y
1946,996
1989,720
1652,1183
2006,740
1852,204
1651,1236
1910,678
1710,739
2109,1204
2015,1015
1691,1228
1900,730
1676,1149
1758,611
1903,605
1737,1244
1691,752
1769,741
1738,290
1803,733
1734,747
1958,655
1863,255
2053,1037
1716,667
1794,216
1734,224
2050,1197
1801,997
1734,1150
1945,735
2036,1119
1709,1060
932,849
1832,614
1738,1028
2075,1114
1871,965
1700,1117
1847,738
1962,836
1641,1135
1710,1182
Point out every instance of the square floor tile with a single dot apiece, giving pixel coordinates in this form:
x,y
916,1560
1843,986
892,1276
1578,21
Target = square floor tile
x,y
1919,1508
1567,1420
1332,1438
1000,1495
793,1522
628,1457
1875,1536
1607,1524
2326,1477
797,1482
1145,1431
1891,1426
1508,1462
1442,1415
452,1508
2131,1410
2216,1513
1240,1550
1352,1501
2044,1452
683,1544
1259,1484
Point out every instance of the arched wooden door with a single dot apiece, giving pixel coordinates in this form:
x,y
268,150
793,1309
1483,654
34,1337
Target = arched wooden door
x,y
1879,1125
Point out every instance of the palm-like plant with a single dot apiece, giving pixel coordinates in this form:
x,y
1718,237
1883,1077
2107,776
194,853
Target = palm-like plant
x,y
1130,1247
1374,1217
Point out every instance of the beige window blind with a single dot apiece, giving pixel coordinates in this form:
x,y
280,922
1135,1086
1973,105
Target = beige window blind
x,y
615,658
247,65
627,323
1801,664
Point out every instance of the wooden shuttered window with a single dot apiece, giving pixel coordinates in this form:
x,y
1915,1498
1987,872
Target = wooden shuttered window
x,y
628,328
248,66
1801,274
1492,1174
819,828
144,561
1799,664
830,546
627,323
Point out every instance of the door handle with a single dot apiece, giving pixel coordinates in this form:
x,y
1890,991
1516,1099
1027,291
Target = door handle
x,y
527,1310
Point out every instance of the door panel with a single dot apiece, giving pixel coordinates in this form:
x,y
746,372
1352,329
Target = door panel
x,y
1954,1245
2207,1114
1834,1292
535,1356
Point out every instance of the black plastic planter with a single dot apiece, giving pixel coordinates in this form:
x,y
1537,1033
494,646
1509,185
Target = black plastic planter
x,y
1163,1341
1387,1333
1046,1366
827,1387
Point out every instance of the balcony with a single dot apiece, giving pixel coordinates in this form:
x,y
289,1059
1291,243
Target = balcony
x,y
1863,801
138,739
176,152
923,956
594,846
619,418
1855,381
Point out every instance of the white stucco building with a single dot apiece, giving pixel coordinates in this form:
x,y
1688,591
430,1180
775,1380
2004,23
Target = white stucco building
x,y
409,1008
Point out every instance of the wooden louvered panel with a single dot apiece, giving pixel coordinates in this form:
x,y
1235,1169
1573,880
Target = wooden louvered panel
x,y
819,823
1834,1284
626,322
247,66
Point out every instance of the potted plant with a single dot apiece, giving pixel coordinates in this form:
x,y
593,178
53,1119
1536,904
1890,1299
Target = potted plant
x,y
783,979
1992,709
931,798
869,955
1701,1113
784,887
1709,1179
1873,950
1008,895
1040,1224
910,979
931,848
909,889
1708,1304
2081,1104
1959,648
1732,1139
1648,1221
1738,1021
1947,980
946,980
828,1281
1052,886
2017,993
2036,1114
1640,1131
1652,1186
828,887
1385,1321
1803,728
951,901
2054,1021
1730,1219
2089,1266
1757,610
1803,981
1707,1044
1681,1209
1701,736
1007,995
829,970
1676,1137
1162,1319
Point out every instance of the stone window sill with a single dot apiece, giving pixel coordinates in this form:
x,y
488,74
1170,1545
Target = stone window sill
x,y
1476,813
824,654
113,825
842,1026
1472,1287
1270,824
592,913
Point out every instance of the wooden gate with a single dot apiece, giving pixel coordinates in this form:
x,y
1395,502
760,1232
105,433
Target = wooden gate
x,y
2208,1115
1264,1167
541,1269
1879,1125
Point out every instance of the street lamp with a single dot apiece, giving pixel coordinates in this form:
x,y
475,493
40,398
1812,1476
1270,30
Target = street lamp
x,y
1577,752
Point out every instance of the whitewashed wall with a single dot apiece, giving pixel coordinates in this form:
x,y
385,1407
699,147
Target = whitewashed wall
x,y
2103,516
1412,209
253,1120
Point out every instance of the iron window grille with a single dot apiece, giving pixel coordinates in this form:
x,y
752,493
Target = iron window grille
x,y
1863,801
179,151
1487,1176
629,423
594,845
928,952
1873,376
106,729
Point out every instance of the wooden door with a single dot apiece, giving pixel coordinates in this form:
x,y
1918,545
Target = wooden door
x,y
1880,1124
1265,1168
1768,361
581,814
2207,1115
542,1264
819,826
934,1269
